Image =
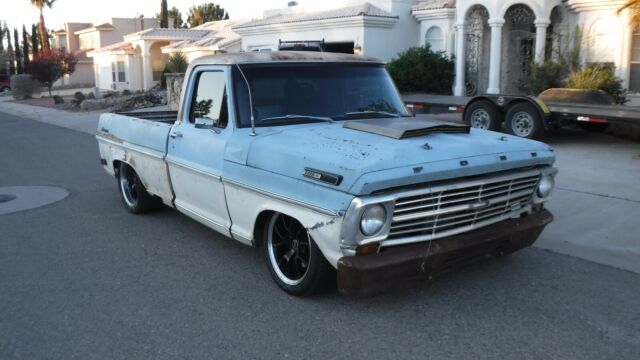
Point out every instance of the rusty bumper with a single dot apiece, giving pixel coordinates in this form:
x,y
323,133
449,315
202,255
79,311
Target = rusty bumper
x,y
402,266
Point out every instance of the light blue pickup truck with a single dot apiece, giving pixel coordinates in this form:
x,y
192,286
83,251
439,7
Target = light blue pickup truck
x,y
314,158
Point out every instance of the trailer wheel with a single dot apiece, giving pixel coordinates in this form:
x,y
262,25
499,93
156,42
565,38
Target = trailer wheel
x,y
482,114
523,120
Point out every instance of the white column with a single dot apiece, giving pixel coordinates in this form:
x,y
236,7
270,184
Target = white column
x,y
459,88
495,55
147,70
541,39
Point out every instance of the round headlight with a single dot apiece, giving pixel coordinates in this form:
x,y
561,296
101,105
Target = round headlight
x,y
373,219
545,186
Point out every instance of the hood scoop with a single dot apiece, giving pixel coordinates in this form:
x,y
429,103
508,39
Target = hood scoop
x,y
405,127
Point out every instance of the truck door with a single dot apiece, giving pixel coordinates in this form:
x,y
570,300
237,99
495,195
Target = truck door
x,y
196,148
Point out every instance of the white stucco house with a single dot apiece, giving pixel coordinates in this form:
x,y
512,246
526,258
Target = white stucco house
x,y
80,38
137,62
222,38
492,40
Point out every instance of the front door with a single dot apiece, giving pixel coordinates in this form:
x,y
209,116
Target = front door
x,y
196,149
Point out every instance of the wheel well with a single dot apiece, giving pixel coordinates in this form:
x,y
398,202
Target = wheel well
x,y
258,228
116,167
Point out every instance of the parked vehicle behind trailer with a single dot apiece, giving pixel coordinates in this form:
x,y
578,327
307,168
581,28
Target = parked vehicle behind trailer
x,y
5,83
314,158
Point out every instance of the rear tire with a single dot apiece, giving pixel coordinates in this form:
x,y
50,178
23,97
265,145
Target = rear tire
x,y
293,258
135,197
484,115
523,121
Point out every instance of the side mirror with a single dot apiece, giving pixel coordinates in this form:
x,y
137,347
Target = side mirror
x,y
205,123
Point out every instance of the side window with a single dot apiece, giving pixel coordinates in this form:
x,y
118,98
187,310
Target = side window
x,y
210,98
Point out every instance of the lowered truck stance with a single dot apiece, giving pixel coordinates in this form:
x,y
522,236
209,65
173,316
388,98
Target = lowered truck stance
x,y
314,158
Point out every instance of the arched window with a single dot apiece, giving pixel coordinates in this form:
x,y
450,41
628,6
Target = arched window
x,y
435,38
603,37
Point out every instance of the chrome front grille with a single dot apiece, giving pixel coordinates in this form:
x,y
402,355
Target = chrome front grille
x,y
451,209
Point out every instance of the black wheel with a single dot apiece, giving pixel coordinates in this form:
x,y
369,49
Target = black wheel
x,y
593,127
5,89
135,197
294,260
484,115
523,120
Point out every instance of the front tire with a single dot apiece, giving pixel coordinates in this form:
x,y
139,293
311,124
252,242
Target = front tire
x,y
135,197
293,258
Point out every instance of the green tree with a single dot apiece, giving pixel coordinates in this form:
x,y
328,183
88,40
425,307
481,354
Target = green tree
x,y
10,54
25,49
44,36
1,39
164,14
176,16
35,39
18,53
177,63
204,13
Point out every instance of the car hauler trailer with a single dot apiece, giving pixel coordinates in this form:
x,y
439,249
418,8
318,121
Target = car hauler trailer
x,y
526,116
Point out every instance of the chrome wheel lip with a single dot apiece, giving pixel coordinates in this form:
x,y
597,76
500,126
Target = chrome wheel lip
x,y
480,119
272,255
522,124
127,183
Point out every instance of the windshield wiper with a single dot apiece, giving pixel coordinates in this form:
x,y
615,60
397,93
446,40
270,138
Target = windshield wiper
x,y
368,113
294,117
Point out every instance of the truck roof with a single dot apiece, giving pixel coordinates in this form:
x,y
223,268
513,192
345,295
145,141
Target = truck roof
x,y
263,57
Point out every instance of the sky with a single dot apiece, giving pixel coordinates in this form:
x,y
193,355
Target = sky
x,y
18,12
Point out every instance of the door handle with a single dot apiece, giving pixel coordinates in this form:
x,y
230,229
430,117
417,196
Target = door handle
x,y
175,134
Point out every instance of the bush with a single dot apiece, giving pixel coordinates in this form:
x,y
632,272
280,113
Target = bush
x,y
177,63
599,77
57,99
419,69
91,96
554,73
23,87
79,96
126,92
545,76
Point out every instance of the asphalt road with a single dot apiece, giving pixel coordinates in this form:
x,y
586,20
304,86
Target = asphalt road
x,y
82,278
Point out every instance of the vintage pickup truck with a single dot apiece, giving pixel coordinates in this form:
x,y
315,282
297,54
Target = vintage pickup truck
x,y
313,157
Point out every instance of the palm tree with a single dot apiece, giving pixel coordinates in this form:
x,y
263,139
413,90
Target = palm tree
x,y
634,8
44,36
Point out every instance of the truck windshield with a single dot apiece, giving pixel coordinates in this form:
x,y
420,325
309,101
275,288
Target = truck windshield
x,y
303,93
